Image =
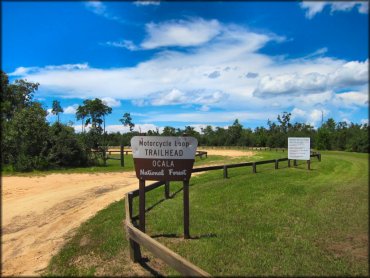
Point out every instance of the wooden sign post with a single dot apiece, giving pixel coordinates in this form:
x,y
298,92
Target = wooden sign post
x,y
163,158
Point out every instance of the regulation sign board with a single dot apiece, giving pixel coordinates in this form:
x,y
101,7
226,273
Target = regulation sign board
x,y
299,148
163,158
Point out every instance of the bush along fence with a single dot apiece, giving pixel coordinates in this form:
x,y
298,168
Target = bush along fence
x,y
137,238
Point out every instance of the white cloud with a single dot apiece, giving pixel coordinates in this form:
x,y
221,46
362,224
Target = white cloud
x,y
175,97
314,7
21,71
147,3
353,73
70,109
111,102
214,74
99,8
96,7
123,44
352,98
173,77
204,108
364,121
211,117
312,117
180,33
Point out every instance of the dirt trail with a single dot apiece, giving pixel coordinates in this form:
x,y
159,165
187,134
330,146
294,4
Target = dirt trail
x,y
40,213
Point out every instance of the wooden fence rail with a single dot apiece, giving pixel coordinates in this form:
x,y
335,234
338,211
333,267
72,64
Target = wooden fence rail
x,y
253,164
137,238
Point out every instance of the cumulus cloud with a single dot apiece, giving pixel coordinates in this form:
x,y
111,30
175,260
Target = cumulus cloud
x,y
312,117
349,74
70,109
111,102
352,98
251,75
174,77
314,7
214,74
180,33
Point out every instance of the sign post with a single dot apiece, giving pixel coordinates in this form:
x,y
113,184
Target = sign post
x,y
299,149
164,158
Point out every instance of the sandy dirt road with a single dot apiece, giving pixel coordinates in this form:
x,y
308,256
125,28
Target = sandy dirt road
x,y
40,213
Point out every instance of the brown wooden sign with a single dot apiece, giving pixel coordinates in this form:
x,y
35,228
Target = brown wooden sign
x,y
163,158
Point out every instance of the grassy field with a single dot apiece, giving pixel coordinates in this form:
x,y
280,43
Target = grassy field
x,y
282,222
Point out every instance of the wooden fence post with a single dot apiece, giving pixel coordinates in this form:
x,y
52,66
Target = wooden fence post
x,y
104,157
134,248
276,164
167,190
319,157
186,209
295,163
288,162
225,172
122,157
309,164
254,169
142,205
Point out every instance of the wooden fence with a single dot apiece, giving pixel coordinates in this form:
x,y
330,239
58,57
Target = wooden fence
x,y
138,238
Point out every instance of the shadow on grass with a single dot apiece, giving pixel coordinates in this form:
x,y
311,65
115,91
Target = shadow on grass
x,y
136,217
144,264
180,236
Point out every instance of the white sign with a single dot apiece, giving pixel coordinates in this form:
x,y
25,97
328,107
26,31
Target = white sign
x,y
299,148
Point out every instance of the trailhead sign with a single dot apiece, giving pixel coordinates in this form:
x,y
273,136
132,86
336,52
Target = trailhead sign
x,y
163,158
299,148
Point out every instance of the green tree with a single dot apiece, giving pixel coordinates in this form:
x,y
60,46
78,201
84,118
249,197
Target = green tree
x,y
234,133
56,109
81,114
65,150
93,112
169,131
127,121
15,96
27,138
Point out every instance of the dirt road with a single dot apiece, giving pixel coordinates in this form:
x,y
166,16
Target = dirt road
x,y
40,213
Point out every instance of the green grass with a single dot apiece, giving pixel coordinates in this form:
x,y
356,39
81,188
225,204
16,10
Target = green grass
x,y
282,222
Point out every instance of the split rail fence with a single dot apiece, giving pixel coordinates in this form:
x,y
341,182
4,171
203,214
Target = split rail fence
x,y
138,238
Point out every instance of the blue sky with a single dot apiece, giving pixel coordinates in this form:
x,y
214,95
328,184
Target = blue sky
x,y
193,63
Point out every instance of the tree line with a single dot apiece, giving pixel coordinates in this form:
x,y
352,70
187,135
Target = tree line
x,y
29,141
